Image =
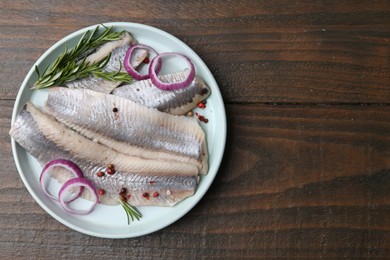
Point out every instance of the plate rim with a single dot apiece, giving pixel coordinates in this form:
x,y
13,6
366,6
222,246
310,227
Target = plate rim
x,y
222,131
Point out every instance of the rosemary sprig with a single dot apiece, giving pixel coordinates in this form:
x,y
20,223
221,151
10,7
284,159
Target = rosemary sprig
x,y
71,64
131,212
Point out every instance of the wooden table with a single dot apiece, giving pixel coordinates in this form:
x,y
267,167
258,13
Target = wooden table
x,y
306,168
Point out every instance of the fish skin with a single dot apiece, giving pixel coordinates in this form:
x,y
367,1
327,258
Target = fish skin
x,y
118,50
95,83
118,56
171,189
176,102
107,48
132,124
24,132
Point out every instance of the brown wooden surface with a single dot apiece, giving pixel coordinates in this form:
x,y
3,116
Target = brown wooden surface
x,y
306,168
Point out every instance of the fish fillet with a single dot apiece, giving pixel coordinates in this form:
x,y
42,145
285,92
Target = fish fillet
x,y
176,102
128,127
32,131
117,49
85,148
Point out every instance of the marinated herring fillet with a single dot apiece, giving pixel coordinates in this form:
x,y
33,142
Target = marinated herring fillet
x,y
117,50
176,102
85,148
128,127
36,131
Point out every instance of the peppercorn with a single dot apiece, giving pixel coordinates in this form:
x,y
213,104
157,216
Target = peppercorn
x,y
155,194
110,171
201,105
123,191
101,192
190,114
100,174
145,195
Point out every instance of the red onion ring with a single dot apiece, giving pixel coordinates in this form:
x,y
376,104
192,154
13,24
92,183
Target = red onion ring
x,y
170,86
77,182
127,62
66,164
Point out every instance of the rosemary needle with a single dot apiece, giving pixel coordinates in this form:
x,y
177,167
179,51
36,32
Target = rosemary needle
x,y
131,212
71,64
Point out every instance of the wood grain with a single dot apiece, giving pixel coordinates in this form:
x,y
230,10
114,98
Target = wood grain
x,y
282,52
305,173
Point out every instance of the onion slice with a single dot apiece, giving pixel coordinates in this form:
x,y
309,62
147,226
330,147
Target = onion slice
x,y
66,164
170,86
77,182
127,62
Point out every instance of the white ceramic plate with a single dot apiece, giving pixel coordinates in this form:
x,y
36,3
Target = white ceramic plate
x,y
111,221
